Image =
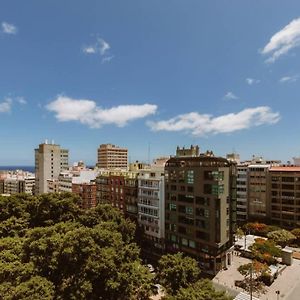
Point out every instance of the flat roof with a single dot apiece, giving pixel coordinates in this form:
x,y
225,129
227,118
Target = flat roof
x,y
285,169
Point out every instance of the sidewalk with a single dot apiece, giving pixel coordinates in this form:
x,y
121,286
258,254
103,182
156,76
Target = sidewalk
x,y
286,283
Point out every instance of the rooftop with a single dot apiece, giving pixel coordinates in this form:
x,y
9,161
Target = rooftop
x,y
286,169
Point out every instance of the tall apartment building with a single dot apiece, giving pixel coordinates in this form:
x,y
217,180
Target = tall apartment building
x,y
284,182
242,193
200,203
258,192
50,160
112,157
151,204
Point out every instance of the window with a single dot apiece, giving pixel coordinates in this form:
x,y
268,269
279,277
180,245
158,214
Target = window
x,y
192,244
172,206
184,242
189,210
190,177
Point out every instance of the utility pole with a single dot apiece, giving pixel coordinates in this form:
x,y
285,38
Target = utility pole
x,y
251,270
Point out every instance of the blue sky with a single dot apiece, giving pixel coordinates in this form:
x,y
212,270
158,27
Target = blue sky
x,y
221,74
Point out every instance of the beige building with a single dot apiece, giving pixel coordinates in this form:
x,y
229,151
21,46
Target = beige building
x,y
50,160
284,184
14,182
112,157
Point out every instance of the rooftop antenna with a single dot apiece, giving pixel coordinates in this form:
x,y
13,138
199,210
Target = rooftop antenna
x,y
46,141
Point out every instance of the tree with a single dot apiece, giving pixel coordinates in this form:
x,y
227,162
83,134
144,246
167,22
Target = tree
x,y
200,290
239,233
281,237
265,251
52,249
176,271
253,273
296,233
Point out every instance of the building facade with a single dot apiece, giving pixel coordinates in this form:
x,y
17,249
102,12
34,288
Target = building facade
x,y
258,192
200,208
151,204
284,182
50,160
112,157
87,194
242,193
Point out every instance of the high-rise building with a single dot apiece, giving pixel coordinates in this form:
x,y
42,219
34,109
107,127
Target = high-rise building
x,y
242,193
151,204
200,208
284,182
112,157
258,191
50,160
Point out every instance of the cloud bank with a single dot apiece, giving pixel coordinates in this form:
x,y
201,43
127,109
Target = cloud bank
x,y
205,124
88,113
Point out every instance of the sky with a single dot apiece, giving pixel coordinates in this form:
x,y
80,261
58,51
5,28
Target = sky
x,y
149,75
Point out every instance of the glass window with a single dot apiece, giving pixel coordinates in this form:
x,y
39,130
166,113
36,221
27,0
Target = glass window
x,y
190,177
184,242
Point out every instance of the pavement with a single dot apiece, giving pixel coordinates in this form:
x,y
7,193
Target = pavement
x,y
288,282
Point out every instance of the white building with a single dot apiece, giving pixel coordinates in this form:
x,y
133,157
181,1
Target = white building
x,y
151,203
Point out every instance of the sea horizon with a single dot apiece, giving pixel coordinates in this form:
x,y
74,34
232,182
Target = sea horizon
x,y
18,167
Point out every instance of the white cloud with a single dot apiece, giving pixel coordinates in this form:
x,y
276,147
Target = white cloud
x,y
283,41
205,124
288,79
230,96
89,50
87,112
5,106
100,47
252,81
8,28
21,100
107,59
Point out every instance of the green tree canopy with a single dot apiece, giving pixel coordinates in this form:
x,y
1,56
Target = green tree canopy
x,y
52,249
176,271
200,290
265,251
281,237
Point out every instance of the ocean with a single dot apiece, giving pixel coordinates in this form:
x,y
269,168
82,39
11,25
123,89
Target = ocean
x,y
12,168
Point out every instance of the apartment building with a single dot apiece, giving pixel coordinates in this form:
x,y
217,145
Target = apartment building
x,y
258,192
151,204
118,188
87,193
200,208
242,193
284,182
112,157
14,182
50,160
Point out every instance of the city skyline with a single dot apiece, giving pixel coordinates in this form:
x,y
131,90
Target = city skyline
x,y
149,75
